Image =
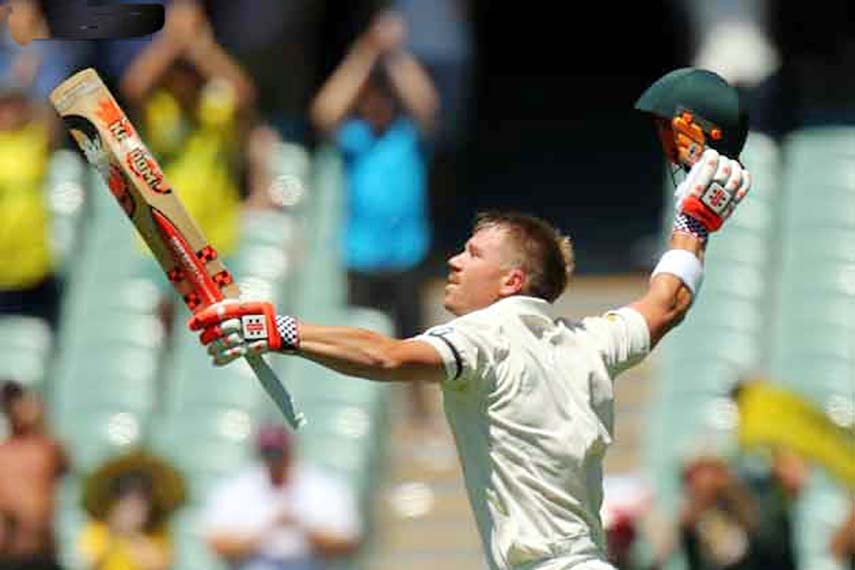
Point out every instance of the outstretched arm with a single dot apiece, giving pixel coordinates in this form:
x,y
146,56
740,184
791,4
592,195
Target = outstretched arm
x,y
367,354
232,329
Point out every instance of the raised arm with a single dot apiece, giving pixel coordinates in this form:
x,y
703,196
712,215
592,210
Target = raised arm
x,y
187,34
668,299
231,329
409,79
214,62
414,87
704,200
149,66
339,93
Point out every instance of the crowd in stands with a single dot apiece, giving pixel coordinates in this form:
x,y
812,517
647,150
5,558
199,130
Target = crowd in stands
x,y
212,116
210,125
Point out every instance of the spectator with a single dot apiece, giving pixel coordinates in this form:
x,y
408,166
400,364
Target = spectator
x,y
281,514
130,500
738,516
717,516
193,100
843,541
31,464
28,274
196,105
379,105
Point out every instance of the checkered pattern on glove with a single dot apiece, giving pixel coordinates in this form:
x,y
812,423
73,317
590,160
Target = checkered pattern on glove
x,y
689,225
288,332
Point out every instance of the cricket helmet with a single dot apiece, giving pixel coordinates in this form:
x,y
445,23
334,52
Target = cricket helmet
x,y
714,104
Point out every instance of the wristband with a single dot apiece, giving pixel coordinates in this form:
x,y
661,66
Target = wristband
x,y
683,264
288,332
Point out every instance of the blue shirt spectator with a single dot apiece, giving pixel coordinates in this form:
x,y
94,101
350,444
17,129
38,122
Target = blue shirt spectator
x,y
387,227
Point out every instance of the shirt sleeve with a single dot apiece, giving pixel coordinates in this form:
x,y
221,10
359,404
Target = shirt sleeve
x,y
467,352
622,336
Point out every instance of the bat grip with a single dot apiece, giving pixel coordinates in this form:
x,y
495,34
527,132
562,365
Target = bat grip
x,y
276,390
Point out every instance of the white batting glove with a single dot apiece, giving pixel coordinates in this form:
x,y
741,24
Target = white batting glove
x,y
710,193
232,329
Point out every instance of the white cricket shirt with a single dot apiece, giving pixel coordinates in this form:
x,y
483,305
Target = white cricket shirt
x,y
530,402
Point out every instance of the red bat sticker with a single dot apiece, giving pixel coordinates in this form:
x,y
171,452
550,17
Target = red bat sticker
x,y
114,120
147,170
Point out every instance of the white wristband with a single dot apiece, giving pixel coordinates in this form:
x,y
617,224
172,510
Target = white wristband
x,y
685,265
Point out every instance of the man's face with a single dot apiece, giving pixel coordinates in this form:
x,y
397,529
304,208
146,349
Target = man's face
x,y
277,460
24,413
376,107
481,274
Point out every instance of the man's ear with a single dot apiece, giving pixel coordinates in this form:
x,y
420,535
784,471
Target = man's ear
x,y
514,281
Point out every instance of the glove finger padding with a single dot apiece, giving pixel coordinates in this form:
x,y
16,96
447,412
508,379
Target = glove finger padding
x,y
744,187
224,329
704,171
221,358
712,190
734,180
225,343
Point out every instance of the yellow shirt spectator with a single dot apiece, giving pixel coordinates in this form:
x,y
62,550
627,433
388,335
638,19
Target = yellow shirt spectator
x,y
198,159
104,551
25,254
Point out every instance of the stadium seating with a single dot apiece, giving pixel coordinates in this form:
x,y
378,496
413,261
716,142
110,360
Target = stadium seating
x,y
25,348
813,340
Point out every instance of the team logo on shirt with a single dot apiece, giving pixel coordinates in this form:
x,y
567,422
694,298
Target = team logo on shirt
x,y
440,331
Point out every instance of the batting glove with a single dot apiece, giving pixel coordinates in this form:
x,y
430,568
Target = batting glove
x,y
711,191
232,329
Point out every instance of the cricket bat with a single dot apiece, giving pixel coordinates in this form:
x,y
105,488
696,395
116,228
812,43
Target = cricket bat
x,y
112,145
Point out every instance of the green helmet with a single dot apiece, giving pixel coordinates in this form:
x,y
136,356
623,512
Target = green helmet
x,y
707,97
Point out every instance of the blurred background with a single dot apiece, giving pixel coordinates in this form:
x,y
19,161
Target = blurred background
x,y
335,154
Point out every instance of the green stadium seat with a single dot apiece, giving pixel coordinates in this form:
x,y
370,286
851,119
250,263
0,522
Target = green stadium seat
x,y
95,435
740,280
720,309
198,384
205,444
191,551
66,196
124,378
25,349
739,348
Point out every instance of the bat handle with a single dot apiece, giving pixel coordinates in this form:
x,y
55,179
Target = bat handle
x,y
276,390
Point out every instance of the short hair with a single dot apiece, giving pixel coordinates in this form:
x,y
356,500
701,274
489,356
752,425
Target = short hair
x,y
10,392
545,254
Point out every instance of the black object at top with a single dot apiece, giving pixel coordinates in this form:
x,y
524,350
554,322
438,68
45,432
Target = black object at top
x,y
78,20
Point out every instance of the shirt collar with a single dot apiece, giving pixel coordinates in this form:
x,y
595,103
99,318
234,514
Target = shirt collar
x,y
526,304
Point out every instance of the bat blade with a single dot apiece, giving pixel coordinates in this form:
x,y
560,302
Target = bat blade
x,y
113,147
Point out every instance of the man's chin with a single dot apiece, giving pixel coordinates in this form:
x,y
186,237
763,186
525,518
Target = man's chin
x,y
448,305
